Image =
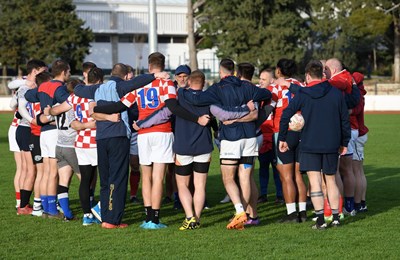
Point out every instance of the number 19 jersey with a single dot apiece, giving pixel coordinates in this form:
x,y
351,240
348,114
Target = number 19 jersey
x,y
149,99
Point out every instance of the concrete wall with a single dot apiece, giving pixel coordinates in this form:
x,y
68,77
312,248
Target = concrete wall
x,y
372,103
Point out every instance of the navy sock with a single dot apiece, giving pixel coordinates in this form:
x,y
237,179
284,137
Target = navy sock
x,y
148,212
320,217
363,203
156,216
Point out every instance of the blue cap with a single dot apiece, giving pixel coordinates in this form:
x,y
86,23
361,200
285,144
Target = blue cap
x,y
183,69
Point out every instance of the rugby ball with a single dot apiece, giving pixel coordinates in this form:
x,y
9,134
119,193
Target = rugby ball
x,y
296,122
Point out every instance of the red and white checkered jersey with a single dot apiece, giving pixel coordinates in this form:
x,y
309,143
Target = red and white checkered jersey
x,y
34,110
15,120
284,97
150,98
85,138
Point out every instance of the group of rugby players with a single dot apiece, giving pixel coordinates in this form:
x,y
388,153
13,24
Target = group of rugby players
x,y
64,126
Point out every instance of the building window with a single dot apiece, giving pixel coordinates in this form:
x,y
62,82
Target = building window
x,y
125,38
164,39
179,39
140,38
102,38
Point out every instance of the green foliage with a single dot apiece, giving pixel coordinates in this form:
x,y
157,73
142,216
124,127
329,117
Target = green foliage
x,y
46,30
371,235
257,31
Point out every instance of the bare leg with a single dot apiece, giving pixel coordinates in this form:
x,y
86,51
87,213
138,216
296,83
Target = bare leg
x,y
184,194
199,180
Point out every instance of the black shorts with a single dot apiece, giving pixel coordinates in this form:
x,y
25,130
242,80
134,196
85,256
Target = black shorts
x,y
325,162
187,170
23,136
35,149
292,155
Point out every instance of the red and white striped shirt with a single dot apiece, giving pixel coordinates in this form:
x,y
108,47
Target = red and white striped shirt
x,y
150,98
15,120
34,110
85,138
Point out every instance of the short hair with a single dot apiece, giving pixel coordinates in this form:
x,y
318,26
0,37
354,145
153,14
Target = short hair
x,y
43,76
228,65
72,83
315,69
119,70
95,75
245,70
34,64
288,67
58,67
267,70
130,69
86,66
197,77
157,60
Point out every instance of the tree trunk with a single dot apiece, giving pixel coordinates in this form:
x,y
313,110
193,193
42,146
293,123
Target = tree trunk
x,y
396,49
191,41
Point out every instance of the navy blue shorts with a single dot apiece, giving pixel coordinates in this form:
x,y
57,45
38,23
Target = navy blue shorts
x,y
23,136
325,162
35,149
292,155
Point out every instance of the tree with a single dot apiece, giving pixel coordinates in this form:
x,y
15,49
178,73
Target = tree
x,y
46,29
256,31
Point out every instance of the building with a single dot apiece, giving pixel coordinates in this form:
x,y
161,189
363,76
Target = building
x,y
121,33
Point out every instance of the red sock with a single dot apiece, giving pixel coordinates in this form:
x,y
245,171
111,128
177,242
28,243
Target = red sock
x,y
340,204
134,180
17,195
327,208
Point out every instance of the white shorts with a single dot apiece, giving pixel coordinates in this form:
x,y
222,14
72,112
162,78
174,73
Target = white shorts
x,y
238,149
358,154
182,160
48,142
134,146
12,141
155,148
86,156
351,145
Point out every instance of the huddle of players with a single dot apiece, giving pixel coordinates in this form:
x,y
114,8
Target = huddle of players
x,y
230,100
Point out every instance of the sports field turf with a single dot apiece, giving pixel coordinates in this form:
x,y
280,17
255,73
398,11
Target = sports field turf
x,y
371,235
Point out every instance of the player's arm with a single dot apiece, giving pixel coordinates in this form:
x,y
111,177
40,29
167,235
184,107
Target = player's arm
x,y
196,98
345,123
86,91
159,116
58,109
173,105
223,113
61,94
14,101
32,95
124,87
76,125
23,111
352,99
260,94
16,83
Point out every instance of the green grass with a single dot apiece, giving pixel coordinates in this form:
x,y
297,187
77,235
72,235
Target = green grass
x,y
370,235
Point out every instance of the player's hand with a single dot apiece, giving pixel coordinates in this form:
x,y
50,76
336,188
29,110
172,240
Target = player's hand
x,y
203,120
283,147
114,117
282,82
251,105
135,126
33,122
46,110
229,122
342,150
162,75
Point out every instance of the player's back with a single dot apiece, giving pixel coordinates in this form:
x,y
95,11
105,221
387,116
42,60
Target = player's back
x,y
152,97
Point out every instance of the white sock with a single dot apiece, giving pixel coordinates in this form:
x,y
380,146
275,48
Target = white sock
x,y
290,207
37,204
302,206
239,208
18,203
89,215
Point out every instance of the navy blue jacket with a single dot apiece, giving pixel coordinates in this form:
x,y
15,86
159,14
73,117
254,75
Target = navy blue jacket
x,y
327,125
48,94
192,138
229,92
106,129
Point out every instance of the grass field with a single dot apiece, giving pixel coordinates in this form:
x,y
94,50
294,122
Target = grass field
x,y
371,235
